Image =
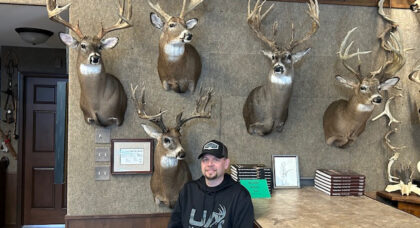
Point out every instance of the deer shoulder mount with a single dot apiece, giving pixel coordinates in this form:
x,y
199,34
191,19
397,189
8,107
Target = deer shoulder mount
x,y
266,107
179,64
102,98
171,171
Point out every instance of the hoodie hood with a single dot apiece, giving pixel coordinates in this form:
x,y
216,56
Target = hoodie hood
x,y
226,183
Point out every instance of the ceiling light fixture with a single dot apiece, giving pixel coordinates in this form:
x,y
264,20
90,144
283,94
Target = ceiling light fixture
x,y
34,36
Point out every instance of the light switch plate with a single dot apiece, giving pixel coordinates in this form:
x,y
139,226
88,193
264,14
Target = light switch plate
x,y
102,173
102,154
103,135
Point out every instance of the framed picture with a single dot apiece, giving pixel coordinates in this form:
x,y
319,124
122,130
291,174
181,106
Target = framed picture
x,y
131,156
286,171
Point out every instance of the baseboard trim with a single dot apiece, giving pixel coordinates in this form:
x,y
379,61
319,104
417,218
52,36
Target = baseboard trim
x,y
156,220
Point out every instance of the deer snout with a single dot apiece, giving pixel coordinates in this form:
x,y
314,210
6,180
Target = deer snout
x,y
180,155
414,7
279,69
377,100
186,36
94,58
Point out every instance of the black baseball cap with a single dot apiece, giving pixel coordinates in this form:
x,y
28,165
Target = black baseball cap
x,y
215,148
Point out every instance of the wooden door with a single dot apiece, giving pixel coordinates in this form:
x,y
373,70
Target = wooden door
x,y
43,201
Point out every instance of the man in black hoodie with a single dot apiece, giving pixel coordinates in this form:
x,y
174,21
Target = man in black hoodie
x,y
214,200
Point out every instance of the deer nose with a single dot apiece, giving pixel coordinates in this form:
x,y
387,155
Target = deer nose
x,y
279,69
377,100
188,36
94,59
180,155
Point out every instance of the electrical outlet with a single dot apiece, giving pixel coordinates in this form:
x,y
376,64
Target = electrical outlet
x,y
102,154
103,135
102,173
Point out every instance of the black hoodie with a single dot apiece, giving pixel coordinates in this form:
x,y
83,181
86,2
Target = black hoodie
x,y
227,205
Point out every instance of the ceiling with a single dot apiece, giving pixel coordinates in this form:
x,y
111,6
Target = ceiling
x,y
14,16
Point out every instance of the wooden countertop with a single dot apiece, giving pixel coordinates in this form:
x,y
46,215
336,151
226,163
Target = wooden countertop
x,y
308,207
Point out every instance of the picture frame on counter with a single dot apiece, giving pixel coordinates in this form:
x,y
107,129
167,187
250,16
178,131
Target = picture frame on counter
x,y
132,156
285,171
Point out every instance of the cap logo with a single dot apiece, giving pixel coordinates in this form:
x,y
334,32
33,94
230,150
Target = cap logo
x,y
211,146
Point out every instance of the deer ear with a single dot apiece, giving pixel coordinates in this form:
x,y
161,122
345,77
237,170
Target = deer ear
x,y
109,43
389,83
299,55
191,23
345,82
269,54
156,21
68,40
151,131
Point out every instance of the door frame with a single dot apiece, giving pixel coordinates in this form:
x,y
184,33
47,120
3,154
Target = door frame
x,y
20,118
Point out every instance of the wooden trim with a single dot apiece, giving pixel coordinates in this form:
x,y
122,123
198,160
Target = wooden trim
x,y
21,86
395,4
157,220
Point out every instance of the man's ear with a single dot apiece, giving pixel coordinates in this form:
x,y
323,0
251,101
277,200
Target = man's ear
x,y
227,162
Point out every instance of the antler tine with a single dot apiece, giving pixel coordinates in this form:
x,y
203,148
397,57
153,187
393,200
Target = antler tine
x,y
123,21
388,141
191,6
313,12
254,19
412,77
344,55
382,13
387,112
156,119
200,109
54,15
159,10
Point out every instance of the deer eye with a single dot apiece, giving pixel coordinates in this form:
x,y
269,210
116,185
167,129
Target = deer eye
x,y
363,88
166,140
83,46
172,25
289,57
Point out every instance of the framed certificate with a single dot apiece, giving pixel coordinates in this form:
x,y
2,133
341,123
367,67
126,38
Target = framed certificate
x,y
131,156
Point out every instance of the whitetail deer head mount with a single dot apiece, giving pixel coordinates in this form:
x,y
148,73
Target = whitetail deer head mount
x,y
266,107
102,98
171,171
344,120
179,64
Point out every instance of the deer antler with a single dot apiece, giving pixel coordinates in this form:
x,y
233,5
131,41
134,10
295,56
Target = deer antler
x,y
387,112
344,55
191,6
156,119
382,13
313,12
200,109
388,141
54,15
159,10
254,19
122,23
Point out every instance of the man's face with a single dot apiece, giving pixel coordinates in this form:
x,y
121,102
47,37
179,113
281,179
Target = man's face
x,y
212,167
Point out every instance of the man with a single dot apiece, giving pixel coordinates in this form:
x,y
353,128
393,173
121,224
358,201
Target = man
x,y
214,200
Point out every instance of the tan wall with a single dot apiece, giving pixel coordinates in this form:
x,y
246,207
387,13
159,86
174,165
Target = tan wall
x,y
233,65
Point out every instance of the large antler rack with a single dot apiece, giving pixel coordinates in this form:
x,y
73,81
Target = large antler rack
x,y
123,21
313,12
387,141
191,6
200,109
391,44
413,74
254,19
395,156
140,103
344,55
54,15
